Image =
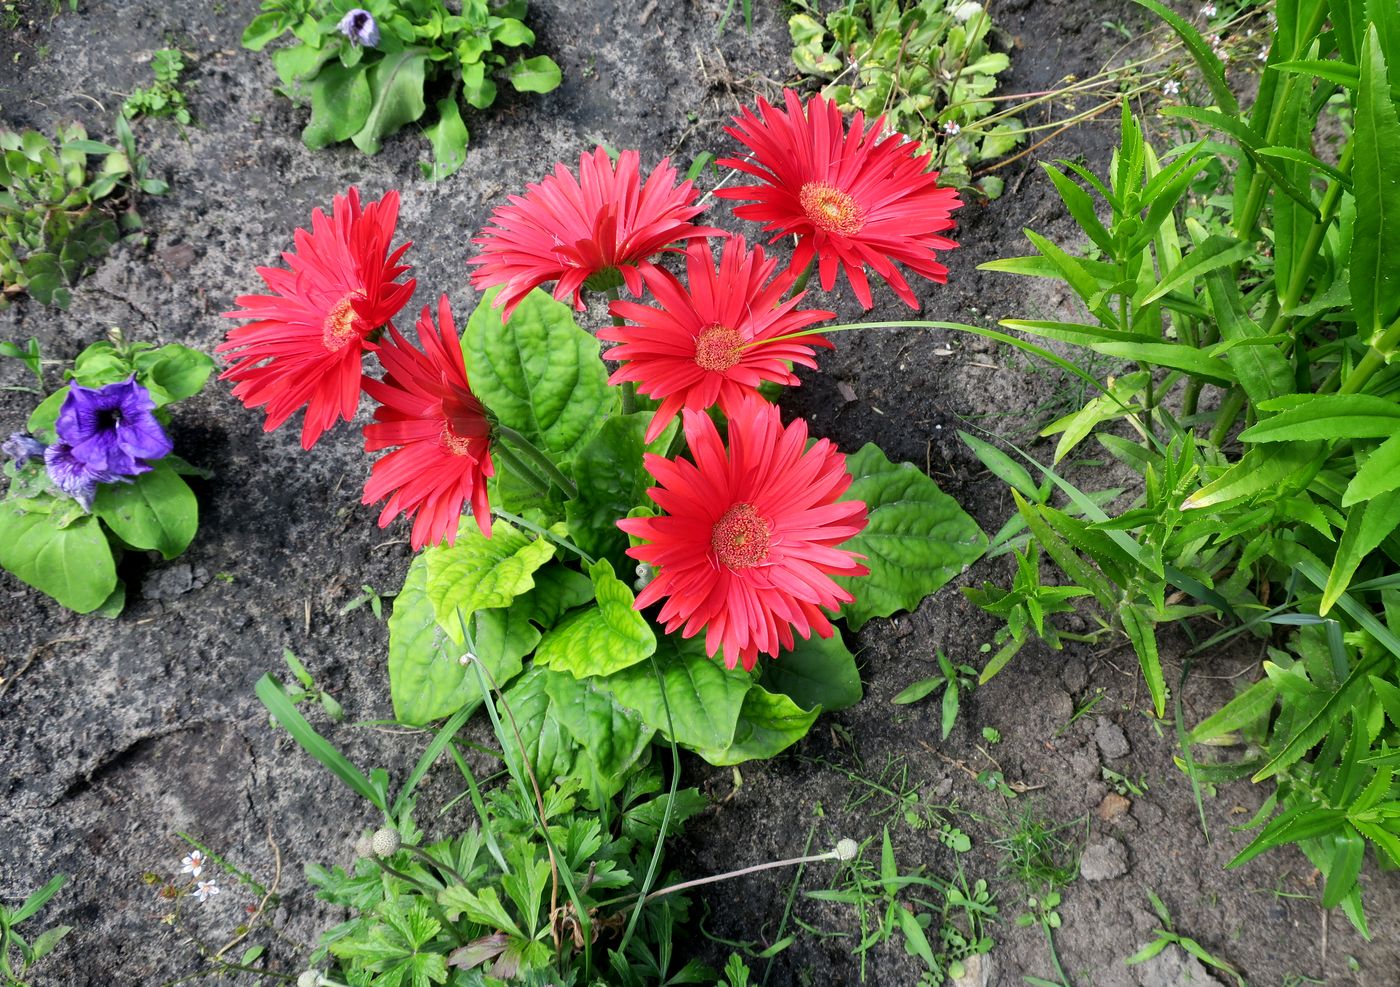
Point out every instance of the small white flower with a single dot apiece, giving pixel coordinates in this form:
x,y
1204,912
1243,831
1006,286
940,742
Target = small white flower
x,y
951,128
1263,55
1171,88
193,864
205,890
1209,11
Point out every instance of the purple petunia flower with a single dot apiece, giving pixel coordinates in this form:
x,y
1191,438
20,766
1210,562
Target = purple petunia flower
x,y
73,476
359,26
110,429
22,447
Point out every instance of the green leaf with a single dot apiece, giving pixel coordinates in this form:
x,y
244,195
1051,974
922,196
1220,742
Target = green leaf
x,y
426,678
1246,708
1261,470
611,482
1010,472
818,672
1138,626
448,138
1327,416
1375,242
262,29
1312,729
535,75
768,723
479,573
704,697
1349,849
534,720
540,373
1176,356
599,639
340,105
613,736
1379,474
1214,253
157,510
173,372
916,540
73,565
396,87
1368,524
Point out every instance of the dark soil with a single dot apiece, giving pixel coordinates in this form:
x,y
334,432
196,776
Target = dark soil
x,y
117,735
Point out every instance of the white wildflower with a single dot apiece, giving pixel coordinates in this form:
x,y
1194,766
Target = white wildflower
x,y
193,864
951,128
205,890
1171,88
1209,11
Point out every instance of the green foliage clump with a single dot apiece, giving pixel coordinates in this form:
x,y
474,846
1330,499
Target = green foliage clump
x,y
163,98
58,215
926,65
18,955
363,94
1257,309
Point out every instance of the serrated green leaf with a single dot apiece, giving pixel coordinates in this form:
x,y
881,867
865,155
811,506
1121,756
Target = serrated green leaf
x,y
157,510
1368,524
1375,242
917,537
1379,474
602,638
1327,416
613,736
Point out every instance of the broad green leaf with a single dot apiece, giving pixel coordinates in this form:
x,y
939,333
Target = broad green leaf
x,y
73,565
1327,416
262,29
612,736
1379,474
704,697
611,482
1368,524
535,75
1006,469
479,573
157,510
539,373
917,537
448,138
818,672
396,86
768,723
1244,709
340,105
601,638
426,678
42,418
529,717
1214,253
1375,241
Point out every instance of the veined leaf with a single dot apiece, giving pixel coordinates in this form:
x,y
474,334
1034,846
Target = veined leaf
x,y
601,639
817,672
768,723
1375,241
480,573
703,697
1379,474
1327,416
71,564
1214,253
1291,465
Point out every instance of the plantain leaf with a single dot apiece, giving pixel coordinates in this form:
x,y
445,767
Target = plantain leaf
x,y
702,696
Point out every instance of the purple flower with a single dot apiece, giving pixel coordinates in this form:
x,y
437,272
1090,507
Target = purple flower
x,y
360,28
22,447
73,476
110,429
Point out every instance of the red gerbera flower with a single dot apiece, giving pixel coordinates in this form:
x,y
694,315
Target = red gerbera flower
x,y
304,346
716,341
747,546
569,229
852,199
427,409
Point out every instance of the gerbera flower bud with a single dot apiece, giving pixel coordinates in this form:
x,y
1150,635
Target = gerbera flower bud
x,y
359,26
846,849
22,447
309,978
386,842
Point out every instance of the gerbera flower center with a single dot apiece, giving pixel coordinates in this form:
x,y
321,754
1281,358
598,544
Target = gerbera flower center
x,y
740,537
718,348
456,444
341,326
830,209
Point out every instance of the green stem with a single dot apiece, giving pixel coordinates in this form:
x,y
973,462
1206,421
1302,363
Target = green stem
x,y
537,458
629,388
1302,264
1378,354
1225,417
517,466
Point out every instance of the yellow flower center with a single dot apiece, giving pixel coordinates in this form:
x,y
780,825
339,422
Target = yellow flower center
x,y
454,443
740,538
341,325
718,348
830,209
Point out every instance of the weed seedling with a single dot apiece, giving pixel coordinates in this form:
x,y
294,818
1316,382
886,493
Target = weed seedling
x,y
163,98
17,955
307,690
954,680
370,595
1167,936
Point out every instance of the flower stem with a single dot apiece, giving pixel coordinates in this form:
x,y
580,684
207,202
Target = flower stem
x,y
714,878
516,465
629,388
537,458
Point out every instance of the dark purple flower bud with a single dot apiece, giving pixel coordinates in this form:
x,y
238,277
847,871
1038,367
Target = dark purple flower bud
x,y
22,447
111,428
73,476
360,28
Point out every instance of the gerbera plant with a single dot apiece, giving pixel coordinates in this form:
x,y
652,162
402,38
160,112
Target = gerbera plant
x,y
650,550
92,472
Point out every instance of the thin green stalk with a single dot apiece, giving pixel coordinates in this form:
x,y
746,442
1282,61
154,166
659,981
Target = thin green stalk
x,y
1225,417
1293,291
629,388
544,533
1378,354
537,458
517,465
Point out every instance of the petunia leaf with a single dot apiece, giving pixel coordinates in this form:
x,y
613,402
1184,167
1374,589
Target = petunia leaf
x,y
157,510
612,736
599,639
396,96
768,723
704,697
818,672
917,538
540,373
72,564
479,573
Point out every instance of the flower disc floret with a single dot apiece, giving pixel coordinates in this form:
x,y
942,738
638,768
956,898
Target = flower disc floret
x,y
607,223
856,201
749,541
